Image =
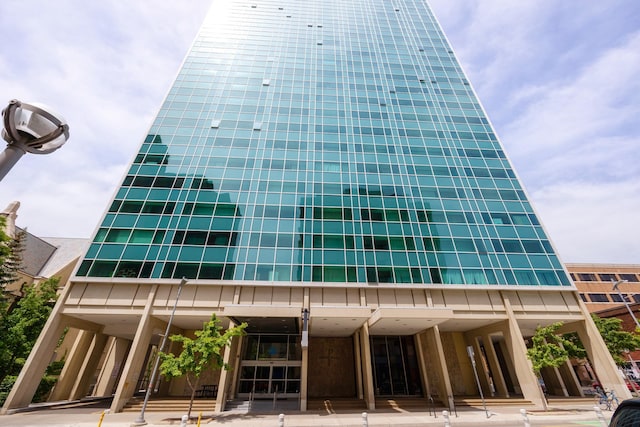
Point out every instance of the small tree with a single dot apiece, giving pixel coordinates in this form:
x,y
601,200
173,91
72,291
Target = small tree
x,y
200,354
549,350
617,340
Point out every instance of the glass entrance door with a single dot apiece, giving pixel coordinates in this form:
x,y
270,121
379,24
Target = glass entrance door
x,y
395,369
265,379
271,365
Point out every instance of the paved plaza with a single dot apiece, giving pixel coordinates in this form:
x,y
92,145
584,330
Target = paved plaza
x,y
581,413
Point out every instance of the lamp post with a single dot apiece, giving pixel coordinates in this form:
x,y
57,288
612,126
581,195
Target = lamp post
x,y
30,128
140,421
616,284
471,354
304,341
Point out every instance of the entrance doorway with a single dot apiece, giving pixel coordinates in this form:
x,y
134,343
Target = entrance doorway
x,y
271,366
395,366
269,379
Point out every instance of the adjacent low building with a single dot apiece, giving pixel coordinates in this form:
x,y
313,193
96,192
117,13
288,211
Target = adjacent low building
x,y
596,281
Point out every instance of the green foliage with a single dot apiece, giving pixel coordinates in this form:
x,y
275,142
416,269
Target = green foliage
x,y
616,339
43,390
20,328
12,261
5,387
200,354
549,349
5,252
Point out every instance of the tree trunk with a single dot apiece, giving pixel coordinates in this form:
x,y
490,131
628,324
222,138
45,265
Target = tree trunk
x,y
194,387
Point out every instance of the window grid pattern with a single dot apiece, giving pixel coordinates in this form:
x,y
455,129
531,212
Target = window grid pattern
x,y
325,141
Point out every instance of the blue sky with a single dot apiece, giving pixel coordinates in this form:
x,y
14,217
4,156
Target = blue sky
x,y
559,80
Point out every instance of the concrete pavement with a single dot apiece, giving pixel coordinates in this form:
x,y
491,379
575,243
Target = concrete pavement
x,y
85,416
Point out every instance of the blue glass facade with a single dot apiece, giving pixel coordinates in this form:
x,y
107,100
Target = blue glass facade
x,y
322,141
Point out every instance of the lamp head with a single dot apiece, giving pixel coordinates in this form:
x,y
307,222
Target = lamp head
x,y
617,283
34,127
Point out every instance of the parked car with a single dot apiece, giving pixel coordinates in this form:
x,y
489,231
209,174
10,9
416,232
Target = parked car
x,y
627,414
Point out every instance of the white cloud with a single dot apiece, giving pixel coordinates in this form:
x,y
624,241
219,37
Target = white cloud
x,y
591,222
105,66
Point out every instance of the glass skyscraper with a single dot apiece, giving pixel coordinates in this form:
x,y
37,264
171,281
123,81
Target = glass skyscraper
x,y
331,142
327,156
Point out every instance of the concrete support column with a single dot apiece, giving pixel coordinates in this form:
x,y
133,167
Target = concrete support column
x,y
509,365
34,368
111,367
553,382
135,360
601,360
518,351
226,381
445,392
72,367
570,379
465,383
304,379
492,358
358,361
81,387
481,368
422,363
367,368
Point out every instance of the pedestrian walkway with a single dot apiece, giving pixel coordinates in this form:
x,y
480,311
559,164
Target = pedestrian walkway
x,y
91,415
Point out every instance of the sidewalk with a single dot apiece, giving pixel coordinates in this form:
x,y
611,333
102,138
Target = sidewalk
x,y
85,416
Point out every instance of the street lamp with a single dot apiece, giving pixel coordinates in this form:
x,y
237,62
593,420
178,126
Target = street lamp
x,y
140,421
30,128
304,341
616,284
471,354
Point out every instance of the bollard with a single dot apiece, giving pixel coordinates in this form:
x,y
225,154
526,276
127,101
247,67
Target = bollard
x,y
281,420
445,415
600,415
525,418
101,418
199,419
183,421
365,421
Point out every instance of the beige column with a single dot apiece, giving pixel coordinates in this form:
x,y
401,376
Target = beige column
x,y
112,367
88,370
225,382
358,362
445,392
34,368
509,365
422,363
367,368
553,382
496,371
237,358
29,379
135,360
518,351
481,368
570,379
304,375
72,367
601,360
467,379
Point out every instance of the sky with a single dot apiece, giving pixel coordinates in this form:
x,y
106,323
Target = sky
x,y
560,81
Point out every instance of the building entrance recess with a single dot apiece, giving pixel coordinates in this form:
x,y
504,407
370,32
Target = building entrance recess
x,y
395,366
